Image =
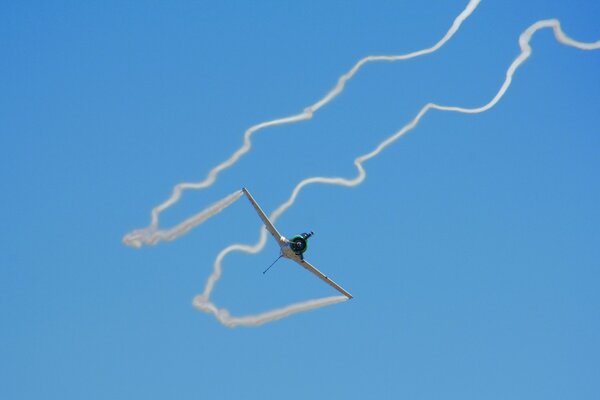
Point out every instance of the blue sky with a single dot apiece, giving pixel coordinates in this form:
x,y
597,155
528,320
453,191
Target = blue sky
x,y
471,248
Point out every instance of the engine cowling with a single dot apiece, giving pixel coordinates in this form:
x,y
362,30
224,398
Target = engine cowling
x,y
299,244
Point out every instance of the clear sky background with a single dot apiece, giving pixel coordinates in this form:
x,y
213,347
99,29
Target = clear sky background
x,y
472,248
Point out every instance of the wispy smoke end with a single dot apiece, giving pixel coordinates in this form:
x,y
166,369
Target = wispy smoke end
x,y
152,235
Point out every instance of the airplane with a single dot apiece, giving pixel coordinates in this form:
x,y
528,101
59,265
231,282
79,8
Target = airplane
x,y
293,248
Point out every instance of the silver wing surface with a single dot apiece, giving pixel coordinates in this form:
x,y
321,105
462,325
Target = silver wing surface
x,y
323,277
270,227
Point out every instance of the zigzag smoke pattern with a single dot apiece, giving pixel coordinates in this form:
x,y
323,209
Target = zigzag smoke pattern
x,y
152,235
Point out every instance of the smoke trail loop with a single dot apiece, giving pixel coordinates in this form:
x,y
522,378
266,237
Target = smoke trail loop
x,y
152,235
524,40
149,234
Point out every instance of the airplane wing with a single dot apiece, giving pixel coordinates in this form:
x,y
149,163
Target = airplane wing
x,y
270,227
323,277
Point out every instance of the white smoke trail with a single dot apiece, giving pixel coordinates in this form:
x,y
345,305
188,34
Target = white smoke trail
x,y
151,234
524,40
203,303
